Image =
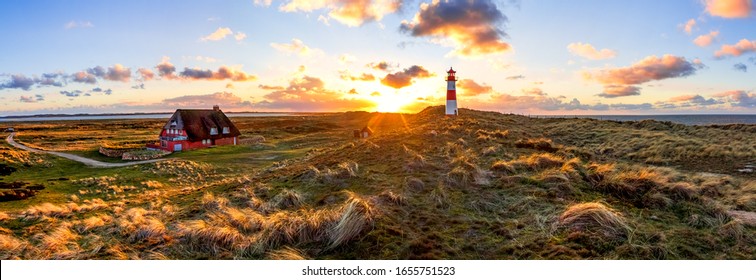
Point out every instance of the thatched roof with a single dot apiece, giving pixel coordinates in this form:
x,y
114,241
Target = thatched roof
x,y
198,122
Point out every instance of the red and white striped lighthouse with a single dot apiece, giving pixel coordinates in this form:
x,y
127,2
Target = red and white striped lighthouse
x,y
451,93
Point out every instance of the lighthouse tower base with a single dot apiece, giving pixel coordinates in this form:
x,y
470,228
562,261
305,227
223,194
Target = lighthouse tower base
x,y
451,107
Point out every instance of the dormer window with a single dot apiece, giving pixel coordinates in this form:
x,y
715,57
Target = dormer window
x,y
213,131
173,122
226,130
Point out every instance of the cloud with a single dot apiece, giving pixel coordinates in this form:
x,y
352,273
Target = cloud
x,y
706,39
84,77
78,24
612,91
471,88
620,81
31,99
230,85
347,58
264,3
517,77
223,73
353,91
296,47
310,95
729,8
694,100
267,87
145,74
587,51
743,46
118,73
533,91
166,69
73,93
240,36
139,86
348,12
375,93
688,27
404,78
474,27
383,66
740,67
219,34
739,98
364,77
20,81
508,103
222,99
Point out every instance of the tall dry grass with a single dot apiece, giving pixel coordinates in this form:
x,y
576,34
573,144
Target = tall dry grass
x,y
594,217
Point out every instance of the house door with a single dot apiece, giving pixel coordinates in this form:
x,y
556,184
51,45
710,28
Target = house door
x,y
176,147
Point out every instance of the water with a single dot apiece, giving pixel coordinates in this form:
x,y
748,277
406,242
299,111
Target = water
x,y
126,117
681,119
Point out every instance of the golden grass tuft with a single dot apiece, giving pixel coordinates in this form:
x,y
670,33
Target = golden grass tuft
x,y
46,210
539,144
391,197
60,243
286,253
92,223
355,217
503,166
10,247
415,162
199,233
4,216
211,202
594,217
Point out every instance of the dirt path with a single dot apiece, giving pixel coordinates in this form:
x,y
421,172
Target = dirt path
x,y
87,161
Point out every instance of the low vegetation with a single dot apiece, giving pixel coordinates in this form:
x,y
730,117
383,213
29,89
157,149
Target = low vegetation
x,y
479,186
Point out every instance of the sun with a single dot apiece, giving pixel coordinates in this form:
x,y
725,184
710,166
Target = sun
x,y
391,103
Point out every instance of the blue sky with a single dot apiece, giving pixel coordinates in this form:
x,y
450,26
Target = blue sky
x,y
540,57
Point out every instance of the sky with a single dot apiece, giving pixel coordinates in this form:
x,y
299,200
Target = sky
x,y
529,57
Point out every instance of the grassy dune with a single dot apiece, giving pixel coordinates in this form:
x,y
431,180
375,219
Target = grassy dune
x,y
480,186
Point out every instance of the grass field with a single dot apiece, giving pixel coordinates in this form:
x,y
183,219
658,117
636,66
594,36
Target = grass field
x,y
480,186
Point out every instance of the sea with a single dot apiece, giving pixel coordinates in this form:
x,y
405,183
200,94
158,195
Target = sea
x,y
125,117
681,119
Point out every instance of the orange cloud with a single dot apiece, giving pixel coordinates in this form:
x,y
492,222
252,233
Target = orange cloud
x,y
364,77
473,26
308,94
404,78
612,91
533,91
219,34
648,69
743,46
350,13
706,39
692,100
384,66
589,52
729,8
146,74
471,88
688,27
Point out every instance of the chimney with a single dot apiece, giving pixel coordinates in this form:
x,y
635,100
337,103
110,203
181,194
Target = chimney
x,y
216,108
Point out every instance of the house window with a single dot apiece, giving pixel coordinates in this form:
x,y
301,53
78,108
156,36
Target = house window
x,y
226,130
214,131
173,123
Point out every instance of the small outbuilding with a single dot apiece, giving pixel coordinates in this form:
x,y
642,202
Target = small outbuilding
x,y
365,132
10,129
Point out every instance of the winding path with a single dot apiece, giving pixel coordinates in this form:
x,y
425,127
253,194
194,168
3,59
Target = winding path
x,y
87,161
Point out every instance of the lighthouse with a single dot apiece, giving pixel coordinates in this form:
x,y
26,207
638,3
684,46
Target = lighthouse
x,y
451,93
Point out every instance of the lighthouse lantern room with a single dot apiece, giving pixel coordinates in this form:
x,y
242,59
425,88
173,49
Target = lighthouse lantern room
x,y
451,93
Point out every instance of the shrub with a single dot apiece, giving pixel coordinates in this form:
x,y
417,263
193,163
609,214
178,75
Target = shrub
x,y
354,218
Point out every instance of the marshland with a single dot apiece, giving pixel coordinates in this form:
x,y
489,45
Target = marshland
x,y
482,185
